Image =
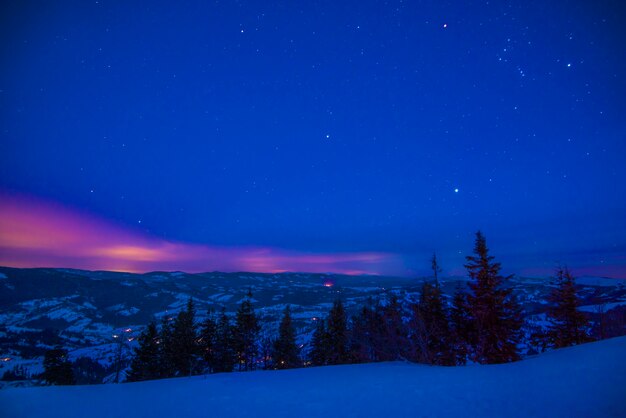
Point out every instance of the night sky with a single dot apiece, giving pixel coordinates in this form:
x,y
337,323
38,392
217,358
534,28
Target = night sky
x,y
353,137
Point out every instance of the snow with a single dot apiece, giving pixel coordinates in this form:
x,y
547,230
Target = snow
x,y
600,281
601,307
582,381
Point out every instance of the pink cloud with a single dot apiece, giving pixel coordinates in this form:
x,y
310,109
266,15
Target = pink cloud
x,y
38,233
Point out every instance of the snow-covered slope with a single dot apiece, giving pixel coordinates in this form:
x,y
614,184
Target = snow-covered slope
x,y
583,381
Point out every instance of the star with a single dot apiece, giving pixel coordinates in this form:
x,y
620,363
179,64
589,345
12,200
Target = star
x,y
445,25
456,190
327,136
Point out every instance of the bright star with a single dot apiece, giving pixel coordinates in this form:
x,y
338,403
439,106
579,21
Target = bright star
x,y
456,190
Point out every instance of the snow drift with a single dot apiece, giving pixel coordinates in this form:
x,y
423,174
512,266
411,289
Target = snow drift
x,y
583,381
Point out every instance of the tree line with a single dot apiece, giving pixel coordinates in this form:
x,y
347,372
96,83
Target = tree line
x,y
482,324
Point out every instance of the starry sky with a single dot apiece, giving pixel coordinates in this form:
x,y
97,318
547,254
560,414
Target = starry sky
x,y
351,136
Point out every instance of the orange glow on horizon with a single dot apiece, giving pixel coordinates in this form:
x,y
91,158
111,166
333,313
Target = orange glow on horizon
x,y
37,233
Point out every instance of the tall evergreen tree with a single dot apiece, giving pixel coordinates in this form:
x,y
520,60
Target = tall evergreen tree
x,y
166,349
568,326
286,352
185,348
494,313
366,335
320,350
338,352
245,334
225,356
57,367
394,333
433,331
208,341
459,326
145,364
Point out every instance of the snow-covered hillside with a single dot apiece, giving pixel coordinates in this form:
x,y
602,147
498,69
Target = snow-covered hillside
x,y
582,381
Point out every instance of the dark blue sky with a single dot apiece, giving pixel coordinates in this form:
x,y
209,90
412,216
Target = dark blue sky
x,y
328,127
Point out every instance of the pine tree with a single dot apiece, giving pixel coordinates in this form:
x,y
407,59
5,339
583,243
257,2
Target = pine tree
x,y
494,313
57,367
145,364
166,349
245,334
208,341
433,331
568,326
185,347
365,335
459,324
394,334
338,352
320,350
286,352
225,356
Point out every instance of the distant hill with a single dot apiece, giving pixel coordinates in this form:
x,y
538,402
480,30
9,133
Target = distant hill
x,y
82,310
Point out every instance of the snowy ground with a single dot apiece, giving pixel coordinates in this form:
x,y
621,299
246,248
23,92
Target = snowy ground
x,y
584,381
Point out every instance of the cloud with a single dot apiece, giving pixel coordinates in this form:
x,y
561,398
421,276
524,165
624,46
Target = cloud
x,y
40,233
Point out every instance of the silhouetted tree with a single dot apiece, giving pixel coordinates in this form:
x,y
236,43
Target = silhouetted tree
x,y
57,367
166,349
225,356
320,345
185,348
393,336
286,352
568,326
366,334
495,316
245,334
338,335
459,326
432,331
208,341
145,364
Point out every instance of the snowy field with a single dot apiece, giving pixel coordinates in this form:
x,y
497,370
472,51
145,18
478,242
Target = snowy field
x,y
584,381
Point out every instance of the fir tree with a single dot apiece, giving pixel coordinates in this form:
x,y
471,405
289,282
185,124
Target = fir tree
x,y
145,364
208,341
225,356
393,335
338,352
185,347
432,331
286,352
245,334
459,326
166,349
57,367
365,335
320,350
568,325
494,313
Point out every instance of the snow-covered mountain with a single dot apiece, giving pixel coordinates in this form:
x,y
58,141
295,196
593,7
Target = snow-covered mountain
x,y
97,315
582,381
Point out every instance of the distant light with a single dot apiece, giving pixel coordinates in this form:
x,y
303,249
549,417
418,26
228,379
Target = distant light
x,y
456,190
569,65
328,284
445,25
327,136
